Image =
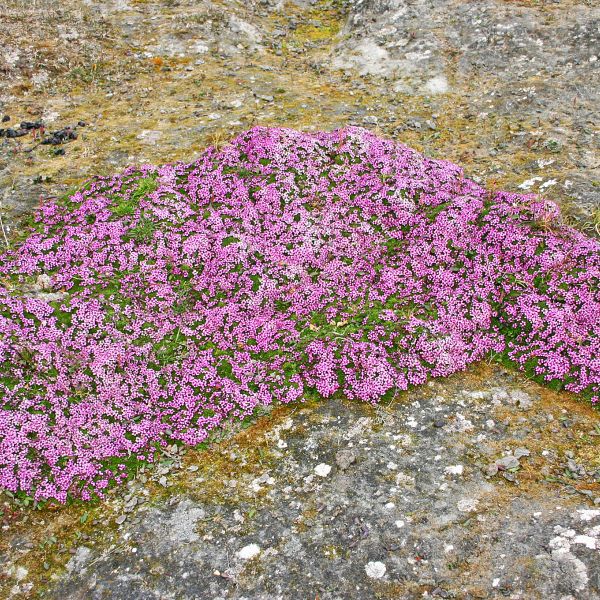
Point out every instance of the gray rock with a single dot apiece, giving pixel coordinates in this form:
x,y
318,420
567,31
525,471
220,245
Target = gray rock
x,y
394,504
507,462
345,458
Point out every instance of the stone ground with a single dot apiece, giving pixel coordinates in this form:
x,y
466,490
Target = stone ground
x,y
482,485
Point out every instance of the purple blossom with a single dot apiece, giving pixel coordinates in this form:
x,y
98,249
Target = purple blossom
x,y
283,265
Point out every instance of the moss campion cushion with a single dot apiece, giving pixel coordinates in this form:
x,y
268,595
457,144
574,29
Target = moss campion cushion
x,y
284,265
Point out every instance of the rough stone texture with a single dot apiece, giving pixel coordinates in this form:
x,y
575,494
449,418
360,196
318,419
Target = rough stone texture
x,y
527,60
402,502
426,486
508,89
409,488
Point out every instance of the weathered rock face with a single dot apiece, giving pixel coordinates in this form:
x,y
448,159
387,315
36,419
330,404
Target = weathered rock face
x,y
360,502
507,41
524,60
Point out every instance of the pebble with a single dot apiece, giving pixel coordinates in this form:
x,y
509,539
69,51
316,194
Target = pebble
x,y
491,470
375,569
323,470
522,399
345,458
507,462
454,470
521,452
249,552
264,97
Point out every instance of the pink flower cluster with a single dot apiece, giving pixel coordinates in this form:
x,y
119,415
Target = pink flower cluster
x,y
283,265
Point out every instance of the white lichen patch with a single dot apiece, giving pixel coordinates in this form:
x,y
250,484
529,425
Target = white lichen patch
x,y
375,569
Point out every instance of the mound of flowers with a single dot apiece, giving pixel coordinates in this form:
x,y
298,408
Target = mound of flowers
x,y
167,299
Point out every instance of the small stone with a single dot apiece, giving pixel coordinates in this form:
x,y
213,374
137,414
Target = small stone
x,y
370,120
131,504
507,462
323,470
413,124
439,423
121,519
345,458
375,569
163,481
522,399
249,552
43,282
520,452
264,478
454,470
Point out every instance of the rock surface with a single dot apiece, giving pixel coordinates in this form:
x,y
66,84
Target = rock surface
x,y
531,61
416,511
400,521
507,89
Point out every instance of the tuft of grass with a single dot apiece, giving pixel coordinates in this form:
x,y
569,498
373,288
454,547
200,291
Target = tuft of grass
x,y
126,206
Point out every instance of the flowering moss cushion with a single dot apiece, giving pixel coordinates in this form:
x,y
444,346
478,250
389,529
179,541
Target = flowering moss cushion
x,y
285,264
